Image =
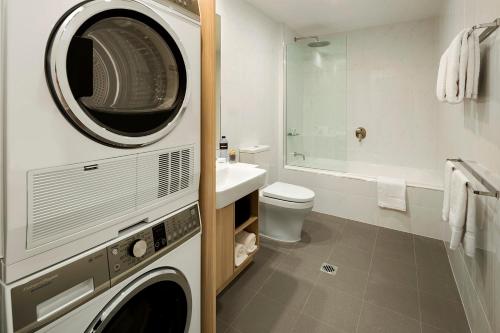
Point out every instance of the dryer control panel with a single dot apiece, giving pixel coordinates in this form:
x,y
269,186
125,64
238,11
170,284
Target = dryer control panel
x,y
129,255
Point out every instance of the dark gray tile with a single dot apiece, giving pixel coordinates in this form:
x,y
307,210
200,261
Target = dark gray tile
x,y
348,280
334,307
378,319
311,325
439,285
441,313
385,234
232,330
222,326
263,314
430,329
262,267
232,300
329,221
317,243
399,298
359,236
395,245
288,289
391,271
300,265
431,256
348,257
276,246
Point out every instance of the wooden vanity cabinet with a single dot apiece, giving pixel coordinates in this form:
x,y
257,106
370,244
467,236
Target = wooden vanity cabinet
x,y
231,220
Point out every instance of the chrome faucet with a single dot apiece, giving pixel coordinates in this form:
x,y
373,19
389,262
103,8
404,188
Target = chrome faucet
x,y
295,154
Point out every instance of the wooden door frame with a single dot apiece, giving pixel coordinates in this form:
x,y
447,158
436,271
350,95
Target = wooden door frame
x,y
207,180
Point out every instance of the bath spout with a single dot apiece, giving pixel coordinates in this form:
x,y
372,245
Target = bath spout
x,y
295,154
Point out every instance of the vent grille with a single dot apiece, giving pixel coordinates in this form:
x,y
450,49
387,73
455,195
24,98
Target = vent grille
x,y
68,200
71,199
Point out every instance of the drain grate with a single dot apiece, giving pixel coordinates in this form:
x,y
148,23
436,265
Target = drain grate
x,y
329,269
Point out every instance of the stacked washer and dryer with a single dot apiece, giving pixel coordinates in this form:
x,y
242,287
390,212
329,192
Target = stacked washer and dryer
x,y
101,163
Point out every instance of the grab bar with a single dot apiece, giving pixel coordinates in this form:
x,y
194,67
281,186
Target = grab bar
x,y
492,191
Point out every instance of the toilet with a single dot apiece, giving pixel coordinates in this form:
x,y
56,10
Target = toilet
x,y
282,207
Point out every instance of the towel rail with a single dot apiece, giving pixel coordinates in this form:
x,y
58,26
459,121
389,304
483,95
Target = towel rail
x,y
492,191
490,28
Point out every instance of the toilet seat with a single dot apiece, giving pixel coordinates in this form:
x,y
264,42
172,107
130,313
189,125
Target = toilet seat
x,y
287,196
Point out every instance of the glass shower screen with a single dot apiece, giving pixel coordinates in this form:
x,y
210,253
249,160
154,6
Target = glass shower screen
x,y
316,103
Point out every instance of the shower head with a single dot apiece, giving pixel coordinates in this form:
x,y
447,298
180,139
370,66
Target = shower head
x,y
316,43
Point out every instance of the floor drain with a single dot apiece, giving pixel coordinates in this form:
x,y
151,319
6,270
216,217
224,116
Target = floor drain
x,y
329,269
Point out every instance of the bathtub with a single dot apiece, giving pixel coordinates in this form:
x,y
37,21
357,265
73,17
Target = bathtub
x,y
425,178
350,192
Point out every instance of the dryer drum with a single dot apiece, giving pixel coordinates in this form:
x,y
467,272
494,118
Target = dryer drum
x,y
124,74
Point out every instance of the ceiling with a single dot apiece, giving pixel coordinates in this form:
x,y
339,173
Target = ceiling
x,y
318,17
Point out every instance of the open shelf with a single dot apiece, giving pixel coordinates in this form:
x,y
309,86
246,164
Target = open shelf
x,y
238,269
242,215
245,224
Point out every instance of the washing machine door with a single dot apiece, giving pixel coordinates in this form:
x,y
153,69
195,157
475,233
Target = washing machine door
x,y
159,301
118,72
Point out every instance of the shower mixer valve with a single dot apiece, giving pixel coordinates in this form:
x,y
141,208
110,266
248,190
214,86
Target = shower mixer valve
x,y
360,133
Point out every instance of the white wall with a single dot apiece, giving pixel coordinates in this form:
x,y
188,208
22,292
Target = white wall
x,y
251,56
472,131
391,73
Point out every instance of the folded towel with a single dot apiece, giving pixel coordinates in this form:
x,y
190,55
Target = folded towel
x,y
448,170
453,69
391,193
240,254
463,65
248,239
477,63
458,207
441,81
470,226
471,64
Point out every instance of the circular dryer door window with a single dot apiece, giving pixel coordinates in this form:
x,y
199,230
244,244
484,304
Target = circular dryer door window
x,y
159,301
118,72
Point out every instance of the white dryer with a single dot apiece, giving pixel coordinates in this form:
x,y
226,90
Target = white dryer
x,y
102,122
146,281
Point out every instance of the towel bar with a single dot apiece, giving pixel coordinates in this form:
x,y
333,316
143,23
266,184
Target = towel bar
x,y
492,191
490,28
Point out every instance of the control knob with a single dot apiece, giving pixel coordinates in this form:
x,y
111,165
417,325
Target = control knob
x,y
139,248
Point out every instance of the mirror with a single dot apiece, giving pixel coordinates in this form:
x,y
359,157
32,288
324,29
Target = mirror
x,y
218,79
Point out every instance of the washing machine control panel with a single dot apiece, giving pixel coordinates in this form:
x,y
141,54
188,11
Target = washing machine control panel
x,y
162,237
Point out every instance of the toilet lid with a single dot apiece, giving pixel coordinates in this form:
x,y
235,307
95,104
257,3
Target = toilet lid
x,y
288,192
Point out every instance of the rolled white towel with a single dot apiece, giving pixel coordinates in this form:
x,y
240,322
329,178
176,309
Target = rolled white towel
x,y
248,239
240,254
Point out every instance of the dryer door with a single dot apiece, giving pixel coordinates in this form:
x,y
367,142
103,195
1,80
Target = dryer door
x,y
118,71
158,301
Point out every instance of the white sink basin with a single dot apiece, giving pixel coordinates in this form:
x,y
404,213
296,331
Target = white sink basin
x,y
234,181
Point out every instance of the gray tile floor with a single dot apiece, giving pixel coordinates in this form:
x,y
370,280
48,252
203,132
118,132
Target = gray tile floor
x,y
387,281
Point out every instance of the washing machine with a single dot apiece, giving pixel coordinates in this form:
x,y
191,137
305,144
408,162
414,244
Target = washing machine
x,y
101,112
147,280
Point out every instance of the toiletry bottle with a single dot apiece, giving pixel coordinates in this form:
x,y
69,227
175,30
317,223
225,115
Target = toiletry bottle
x,y
223,146
232,155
